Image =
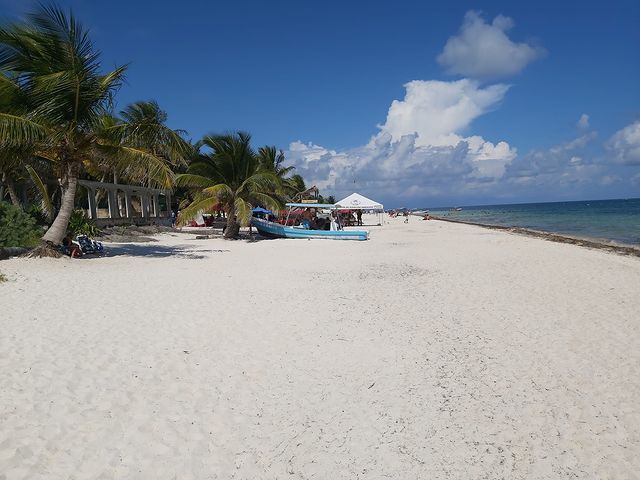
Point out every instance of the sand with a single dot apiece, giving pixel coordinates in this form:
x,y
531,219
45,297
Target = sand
x,y
434,350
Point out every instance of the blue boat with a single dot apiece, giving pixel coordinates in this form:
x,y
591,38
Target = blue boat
x,y
277,230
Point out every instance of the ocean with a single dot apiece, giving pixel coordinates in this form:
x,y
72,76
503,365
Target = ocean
x,y
609,220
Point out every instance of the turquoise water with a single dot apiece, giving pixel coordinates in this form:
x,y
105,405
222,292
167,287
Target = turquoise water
x,y
617,220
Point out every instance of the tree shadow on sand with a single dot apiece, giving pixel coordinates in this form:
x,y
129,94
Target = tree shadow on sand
x,y
151,250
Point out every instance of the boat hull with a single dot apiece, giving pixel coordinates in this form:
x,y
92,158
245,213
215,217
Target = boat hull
x,y
276,230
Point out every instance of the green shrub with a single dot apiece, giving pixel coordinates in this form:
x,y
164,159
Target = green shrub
x,y
3,277
17,228
36,212
79,224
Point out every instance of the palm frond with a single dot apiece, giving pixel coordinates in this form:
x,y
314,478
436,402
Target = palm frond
x,y
201,204
16,130
260,181
193,181
219,191
45,199
243,211
268,201
138,165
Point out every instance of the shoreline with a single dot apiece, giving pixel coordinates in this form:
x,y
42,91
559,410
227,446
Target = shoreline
x,y
620,249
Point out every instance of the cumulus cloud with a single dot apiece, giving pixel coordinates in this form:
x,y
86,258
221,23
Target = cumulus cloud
x,y
583,122
483,50
385,166
624,145
560,160
437,110
420,147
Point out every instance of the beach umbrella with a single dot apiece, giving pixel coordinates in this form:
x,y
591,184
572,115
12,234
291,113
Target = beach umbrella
x,y
262,210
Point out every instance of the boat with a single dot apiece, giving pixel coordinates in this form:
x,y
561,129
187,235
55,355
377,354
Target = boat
x,y
272,229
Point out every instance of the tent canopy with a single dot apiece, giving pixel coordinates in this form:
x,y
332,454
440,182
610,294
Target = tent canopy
x,y
355,201
262,210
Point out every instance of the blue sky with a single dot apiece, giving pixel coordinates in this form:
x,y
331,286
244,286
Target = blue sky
x,y
488,95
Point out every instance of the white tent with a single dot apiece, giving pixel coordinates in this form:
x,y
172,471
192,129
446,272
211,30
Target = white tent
x,y
355,201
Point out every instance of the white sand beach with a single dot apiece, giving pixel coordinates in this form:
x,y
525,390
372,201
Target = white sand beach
x,y
433,350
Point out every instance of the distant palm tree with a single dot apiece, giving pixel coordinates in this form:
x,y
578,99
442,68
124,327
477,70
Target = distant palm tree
x,y
273,160
294,186
231,175
290,185
60,107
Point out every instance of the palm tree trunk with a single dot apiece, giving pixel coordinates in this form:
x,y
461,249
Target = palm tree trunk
x,y
11,190
58,229
233,227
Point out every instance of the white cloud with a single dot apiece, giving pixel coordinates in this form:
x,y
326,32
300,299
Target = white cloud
x,y
624,145
383,166
575,144
608,180
561,159
583,122
483,50
437,110
419,148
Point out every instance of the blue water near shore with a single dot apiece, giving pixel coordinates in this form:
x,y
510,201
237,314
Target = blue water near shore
x,y
612,220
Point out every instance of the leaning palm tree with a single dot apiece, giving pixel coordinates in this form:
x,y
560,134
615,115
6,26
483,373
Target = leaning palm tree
x,y
231,175
61,108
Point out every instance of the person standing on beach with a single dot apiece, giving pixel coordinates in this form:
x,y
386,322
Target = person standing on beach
x,y
359,216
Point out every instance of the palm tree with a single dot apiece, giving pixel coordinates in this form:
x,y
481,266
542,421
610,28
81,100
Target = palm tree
x,y
272,159
230,174
10,166
295,185
60,106
12,104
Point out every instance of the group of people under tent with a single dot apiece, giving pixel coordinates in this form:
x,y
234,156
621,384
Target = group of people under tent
x,y
313,220
349,218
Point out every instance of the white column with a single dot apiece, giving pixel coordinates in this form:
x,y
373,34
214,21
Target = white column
x,y
144,205
156,206
112,197
92,203
127,203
